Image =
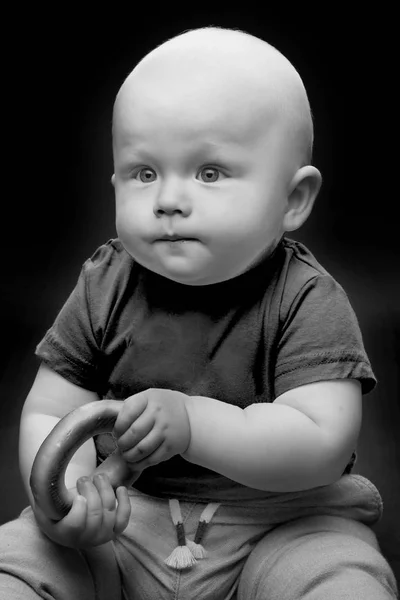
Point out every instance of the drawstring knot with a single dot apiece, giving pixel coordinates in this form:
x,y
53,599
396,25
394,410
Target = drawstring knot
x,y
187,552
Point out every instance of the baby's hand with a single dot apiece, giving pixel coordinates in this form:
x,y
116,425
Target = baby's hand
x,y
97,515
153,426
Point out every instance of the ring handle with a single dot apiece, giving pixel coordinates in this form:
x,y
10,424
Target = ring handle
x,y
52,459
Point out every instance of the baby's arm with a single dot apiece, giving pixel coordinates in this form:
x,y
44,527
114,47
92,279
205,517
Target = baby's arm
x,y
51,398
95,516
302,440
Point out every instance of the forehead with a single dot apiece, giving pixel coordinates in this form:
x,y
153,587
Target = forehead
x,y
193,99
189,112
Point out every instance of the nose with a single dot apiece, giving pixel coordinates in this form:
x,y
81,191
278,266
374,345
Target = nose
x,y
172,199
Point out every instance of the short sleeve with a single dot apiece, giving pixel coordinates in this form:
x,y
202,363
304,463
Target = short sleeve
x,y
320,339
70,347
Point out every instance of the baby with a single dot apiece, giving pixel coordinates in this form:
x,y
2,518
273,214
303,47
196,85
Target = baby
x,y
238,359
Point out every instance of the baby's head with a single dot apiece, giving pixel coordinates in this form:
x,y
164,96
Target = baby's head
x,y
212,140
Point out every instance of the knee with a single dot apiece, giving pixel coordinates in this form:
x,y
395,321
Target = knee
x,y
307,561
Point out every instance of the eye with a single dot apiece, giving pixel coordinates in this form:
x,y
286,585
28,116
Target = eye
x,y
146,175
210,174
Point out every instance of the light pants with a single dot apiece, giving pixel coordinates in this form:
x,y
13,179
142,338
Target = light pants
x,y
313,545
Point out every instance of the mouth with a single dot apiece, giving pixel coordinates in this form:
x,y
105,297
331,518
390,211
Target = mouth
x,y
176,238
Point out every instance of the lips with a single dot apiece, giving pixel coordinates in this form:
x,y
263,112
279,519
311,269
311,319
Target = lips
x,y
176,238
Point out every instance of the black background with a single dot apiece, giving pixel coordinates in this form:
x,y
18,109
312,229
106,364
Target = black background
x,y
61,73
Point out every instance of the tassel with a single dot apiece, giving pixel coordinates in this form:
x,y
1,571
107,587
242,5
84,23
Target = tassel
x,y
196,548
181,557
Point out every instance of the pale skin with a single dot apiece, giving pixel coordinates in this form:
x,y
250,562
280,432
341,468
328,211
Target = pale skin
x,y
211,146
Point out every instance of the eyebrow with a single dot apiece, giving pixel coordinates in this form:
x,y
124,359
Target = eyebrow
x,y
194,148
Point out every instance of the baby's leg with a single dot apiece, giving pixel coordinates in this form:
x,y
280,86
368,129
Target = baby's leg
x,y
315,558
32,566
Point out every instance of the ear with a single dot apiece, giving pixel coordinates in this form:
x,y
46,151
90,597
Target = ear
x,y
304,190
113,180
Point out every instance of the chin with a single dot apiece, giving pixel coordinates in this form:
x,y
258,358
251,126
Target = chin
x,y
197,280
186,278
180,273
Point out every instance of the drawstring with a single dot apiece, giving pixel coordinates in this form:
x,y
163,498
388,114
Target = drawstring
x,y
181,557
205,518
186,554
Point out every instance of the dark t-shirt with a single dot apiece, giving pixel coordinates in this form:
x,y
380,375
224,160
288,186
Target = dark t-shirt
x,y
125,329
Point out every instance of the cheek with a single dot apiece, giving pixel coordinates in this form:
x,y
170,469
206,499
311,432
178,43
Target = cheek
x,y
128,230
253,213
128,214
257,225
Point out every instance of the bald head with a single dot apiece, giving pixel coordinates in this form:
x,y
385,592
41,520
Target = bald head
x,y
251,82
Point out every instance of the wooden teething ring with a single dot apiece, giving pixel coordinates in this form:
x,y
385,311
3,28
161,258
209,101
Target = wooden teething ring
x,y
51,461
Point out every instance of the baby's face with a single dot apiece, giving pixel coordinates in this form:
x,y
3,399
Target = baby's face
x,y
201,178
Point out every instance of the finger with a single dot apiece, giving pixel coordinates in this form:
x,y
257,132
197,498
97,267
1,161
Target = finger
x,y
132,408
107,496
94,514
123,510
160,454
138,430
106,492
74,522
144,448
